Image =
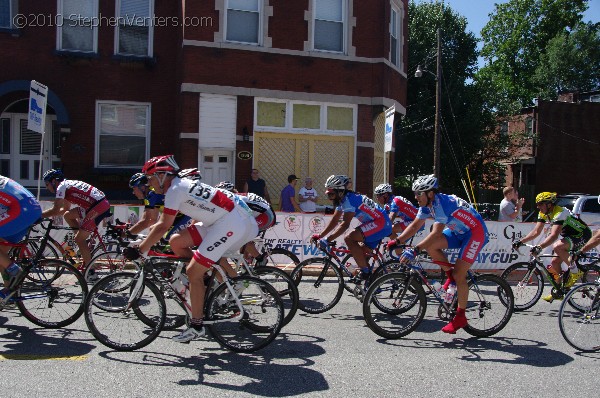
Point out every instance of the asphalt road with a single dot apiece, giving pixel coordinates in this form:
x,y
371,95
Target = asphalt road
x,y
328,355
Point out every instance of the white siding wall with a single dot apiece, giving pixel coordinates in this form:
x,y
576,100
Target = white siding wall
x,y
217,121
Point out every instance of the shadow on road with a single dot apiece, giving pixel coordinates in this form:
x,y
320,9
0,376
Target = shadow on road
x,y
279,370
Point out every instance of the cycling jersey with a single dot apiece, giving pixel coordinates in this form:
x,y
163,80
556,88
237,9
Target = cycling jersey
x,y
155,200
571,225
261,210
79,193
18,210
375,223
405,211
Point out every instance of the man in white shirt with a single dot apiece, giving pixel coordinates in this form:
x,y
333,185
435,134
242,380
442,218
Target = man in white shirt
x,y
307,196
510,207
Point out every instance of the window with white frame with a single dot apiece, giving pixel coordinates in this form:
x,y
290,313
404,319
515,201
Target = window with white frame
x,y
8,10
122,134
329,25
395,25
77,28
295,116
135,31
243,21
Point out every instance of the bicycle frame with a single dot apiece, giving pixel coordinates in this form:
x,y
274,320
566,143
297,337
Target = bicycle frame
x,y
535,261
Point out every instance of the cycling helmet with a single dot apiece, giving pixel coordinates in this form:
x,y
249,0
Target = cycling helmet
x,y
226,185
336,182
138,179
161,164
383,188
545,197
54,174
598,199
425,183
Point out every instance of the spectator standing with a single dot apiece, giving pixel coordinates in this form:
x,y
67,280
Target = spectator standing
x,y
257,186
307,196
287,200
511,206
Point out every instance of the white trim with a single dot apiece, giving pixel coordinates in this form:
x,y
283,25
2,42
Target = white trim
x,y
97,129
192,136
150,52
365,144
61,22
259,34
291,95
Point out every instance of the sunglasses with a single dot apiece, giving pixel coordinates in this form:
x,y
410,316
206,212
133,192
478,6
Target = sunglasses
x,y
331,195
419,193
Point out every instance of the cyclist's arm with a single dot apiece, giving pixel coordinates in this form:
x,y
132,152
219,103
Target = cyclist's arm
x,y
392,216
436,232
554,235
412,229
59,208
246,188
341,228
535,232
337,214
149,217
593,242
160,228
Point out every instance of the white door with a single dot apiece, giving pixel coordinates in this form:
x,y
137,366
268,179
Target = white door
x,y
20,149
216,166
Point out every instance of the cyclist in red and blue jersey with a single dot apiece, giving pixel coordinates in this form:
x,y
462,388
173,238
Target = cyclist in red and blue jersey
x,y
400,210
456,225
18,211
374,222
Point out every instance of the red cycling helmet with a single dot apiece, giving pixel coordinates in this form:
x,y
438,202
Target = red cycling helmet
x,y
161,164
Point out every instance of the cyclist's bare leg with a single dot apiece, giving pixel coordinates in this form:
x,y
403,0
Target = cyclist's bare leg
x,y
181,244
195,272
462,286
250,251
4,259
354,241
561,249
227,268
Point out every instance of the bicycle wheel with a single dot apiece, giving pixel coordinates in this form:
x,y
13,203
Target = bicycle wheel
x,y
107,263
175,314
526,282
285,286
54,298
490,306
590,273
320,285
260,322
280,258
404,303
581,329
116,323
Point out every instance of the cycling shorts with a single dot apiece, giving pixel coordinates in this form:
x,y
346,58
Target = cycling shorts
x,y
91,218
577,242
15,230
470,243
224,237
181,222
374,231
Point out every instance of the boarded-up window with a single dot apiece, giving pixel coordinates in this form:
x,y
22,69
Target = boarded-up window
x,y
340,118
306,116
271,114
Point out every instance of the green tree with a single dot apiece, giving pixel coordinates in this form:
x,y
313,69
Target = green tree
x,y
514,43
462,118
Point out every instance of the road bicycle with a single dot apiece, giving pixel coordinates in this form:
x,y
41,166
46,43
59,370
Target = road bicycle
x,y
579,321
127,311
49,292
527,279
395,304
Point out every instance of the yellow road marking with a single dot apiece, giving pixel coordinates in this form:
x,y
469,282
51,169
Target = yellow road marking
x,y
32,357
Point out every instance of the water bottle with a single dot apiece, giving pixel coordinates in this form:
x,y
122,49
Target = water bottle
x,y
450,293
437,286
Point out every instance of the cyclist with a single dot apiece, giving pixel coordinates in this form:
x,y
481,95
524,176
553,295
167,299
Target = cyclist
x,y
374,222
18,211
573,234
153,205
224,223
593,242
456,226
90,207
396,207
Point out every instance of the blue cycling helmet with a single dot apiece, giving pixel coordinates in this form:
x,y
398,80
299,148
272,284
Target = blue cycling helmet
x,y
54,174
138,179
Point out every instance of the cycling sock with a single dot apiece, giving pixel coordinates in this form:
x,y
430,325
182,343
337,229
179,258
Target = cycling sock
x,y
196,323
459,321
13,269
449,280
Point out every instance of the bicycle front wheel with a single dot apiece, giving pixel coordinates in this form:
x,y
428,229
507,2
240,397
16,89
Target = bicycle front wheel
x,y
285,286
490,306
581,328
253,328
54,296
320,285
106,263
394,305
526,282
280,258
111,313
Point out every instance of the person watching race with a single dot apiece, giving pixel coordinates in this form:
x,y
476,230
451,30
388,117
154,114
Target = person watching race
x,y
456,226
222,217
90,207
374,225
573,233
19,210
400,210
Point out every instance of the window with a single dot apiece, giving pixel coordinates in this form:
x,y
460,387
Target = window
x,y
591,206
270,114
306,116
329,25
339,118
529,126
243,21
395,37
135,33
77,25
122,140
8,10
5,135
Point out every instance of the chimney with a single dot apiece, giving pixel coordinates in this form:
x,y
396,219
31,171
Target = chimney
x,y
568,96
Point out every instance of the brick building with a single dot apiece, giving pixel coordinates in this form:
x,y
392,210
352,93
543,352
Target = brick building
x,y
226,85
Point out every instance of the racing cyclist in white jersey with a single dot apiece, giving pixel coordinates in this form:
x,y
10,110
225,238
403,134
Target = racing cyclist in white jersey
x,y
224,223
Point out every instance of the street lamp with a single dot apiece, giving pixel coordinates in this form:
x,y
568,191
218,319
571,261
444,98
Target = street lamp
x,y
437,138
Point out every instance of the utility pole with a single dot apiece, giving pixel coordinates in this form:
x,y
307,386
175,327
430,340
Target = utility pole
x,y
437,137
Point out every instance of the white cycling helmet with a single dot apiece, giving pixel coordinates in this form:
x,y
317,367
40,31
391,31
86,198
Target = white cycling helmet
x,y
336,182
425,183
383,188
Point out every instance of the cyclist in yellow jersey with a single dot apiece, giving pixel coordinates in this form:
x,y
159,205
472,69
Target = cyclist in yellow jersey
x,y
573,234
